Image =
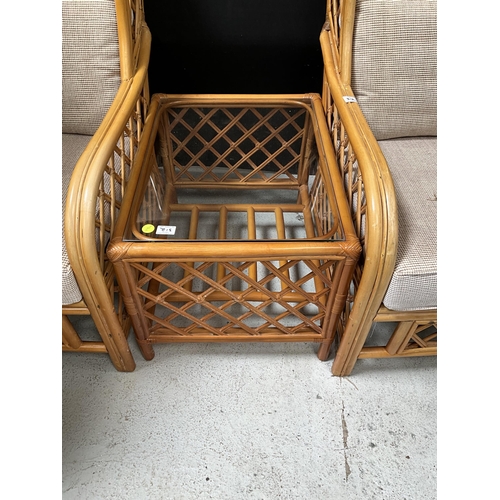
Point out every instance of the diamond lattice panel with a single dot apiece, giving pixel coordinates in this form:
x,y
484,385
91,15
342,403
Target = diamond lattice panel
x,y
249,298
251,144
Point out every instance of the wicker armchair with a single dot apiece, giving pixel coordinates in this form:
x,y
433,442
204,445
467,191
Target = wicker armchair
x,y
380,95
105,56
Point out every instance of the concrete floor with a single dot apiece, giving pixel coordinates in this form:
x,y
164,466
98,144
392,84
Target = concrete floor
x,y
247,421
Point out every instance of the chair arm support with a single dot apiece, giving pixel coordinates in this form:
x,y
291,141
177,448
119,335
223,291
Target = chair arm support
x,y
355,138
83,193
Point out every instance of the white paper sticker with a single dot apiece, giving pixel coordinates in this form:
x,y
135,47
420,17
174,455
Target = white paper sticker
x,y
165,230
348,98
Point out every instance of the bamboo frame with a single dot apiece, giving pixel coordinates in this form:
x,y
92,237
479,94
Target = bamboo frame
x,y
371,196
221,289
107,161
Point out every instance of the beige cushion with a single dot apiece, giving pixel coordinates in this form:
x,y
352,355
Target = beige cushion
x,y
394,74
90,63
72,148
412,162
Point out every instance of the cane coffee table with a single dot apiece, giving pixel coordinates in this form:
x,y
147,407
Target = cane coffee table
x,y
235,227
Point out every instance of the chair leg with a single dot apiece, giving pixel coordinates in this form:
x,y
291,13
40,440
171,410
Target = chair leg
x,y
116,343
350,346
324,350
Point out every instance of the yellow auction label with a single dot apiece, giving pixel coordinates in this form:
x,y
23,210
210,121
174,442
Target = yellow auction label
x,y
148,228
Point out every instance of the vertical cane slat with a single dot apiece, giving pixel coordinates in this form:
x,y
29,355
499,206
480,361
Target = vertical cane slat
x,y
306,152
193,231
222,236
280,229
252,235
309,224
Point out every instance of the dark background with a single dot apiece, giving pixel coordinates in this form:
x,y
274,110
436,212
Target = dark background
x,y
235,46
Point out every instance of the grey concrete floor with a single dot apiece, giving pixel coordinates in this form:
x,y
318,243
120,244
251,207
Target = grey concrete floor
x,y
247,421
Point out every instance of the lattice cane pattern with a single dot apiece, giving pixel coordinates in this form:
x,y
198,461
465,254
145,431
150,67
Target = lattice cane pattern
x,y
118,168
116,175
422,336
323,210
333,21
112,188
253,145
250,299
354,188
348,164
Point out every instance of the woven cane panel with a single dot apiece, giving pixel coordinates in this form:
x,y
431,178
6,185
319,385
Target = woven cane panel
x,y
419,335
249,299
354,189
349,169
425,336
250,144
394,66
90,63
116,175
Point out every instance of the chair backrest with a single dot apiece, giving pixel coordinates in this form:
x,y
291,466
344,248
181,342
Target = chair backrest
x,y
90,63
394,66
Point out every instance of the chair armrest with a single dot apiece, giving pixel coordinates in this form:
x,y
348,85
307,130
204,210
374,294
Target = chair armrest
x,y
93,200
368,182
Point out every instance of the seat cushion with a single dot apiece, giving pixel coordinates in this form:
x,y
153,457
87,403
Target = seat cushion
x,y
90,63
413,165
72,148
394,66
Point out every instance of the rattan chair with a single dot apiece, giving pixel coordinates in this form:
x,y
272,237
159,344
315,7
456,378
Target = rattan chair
x,y
380,96
105,56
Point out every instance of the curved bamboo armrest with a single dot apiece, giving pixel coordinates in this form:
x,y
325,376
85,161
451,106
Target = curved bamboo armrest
x,y
118,136
357,148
